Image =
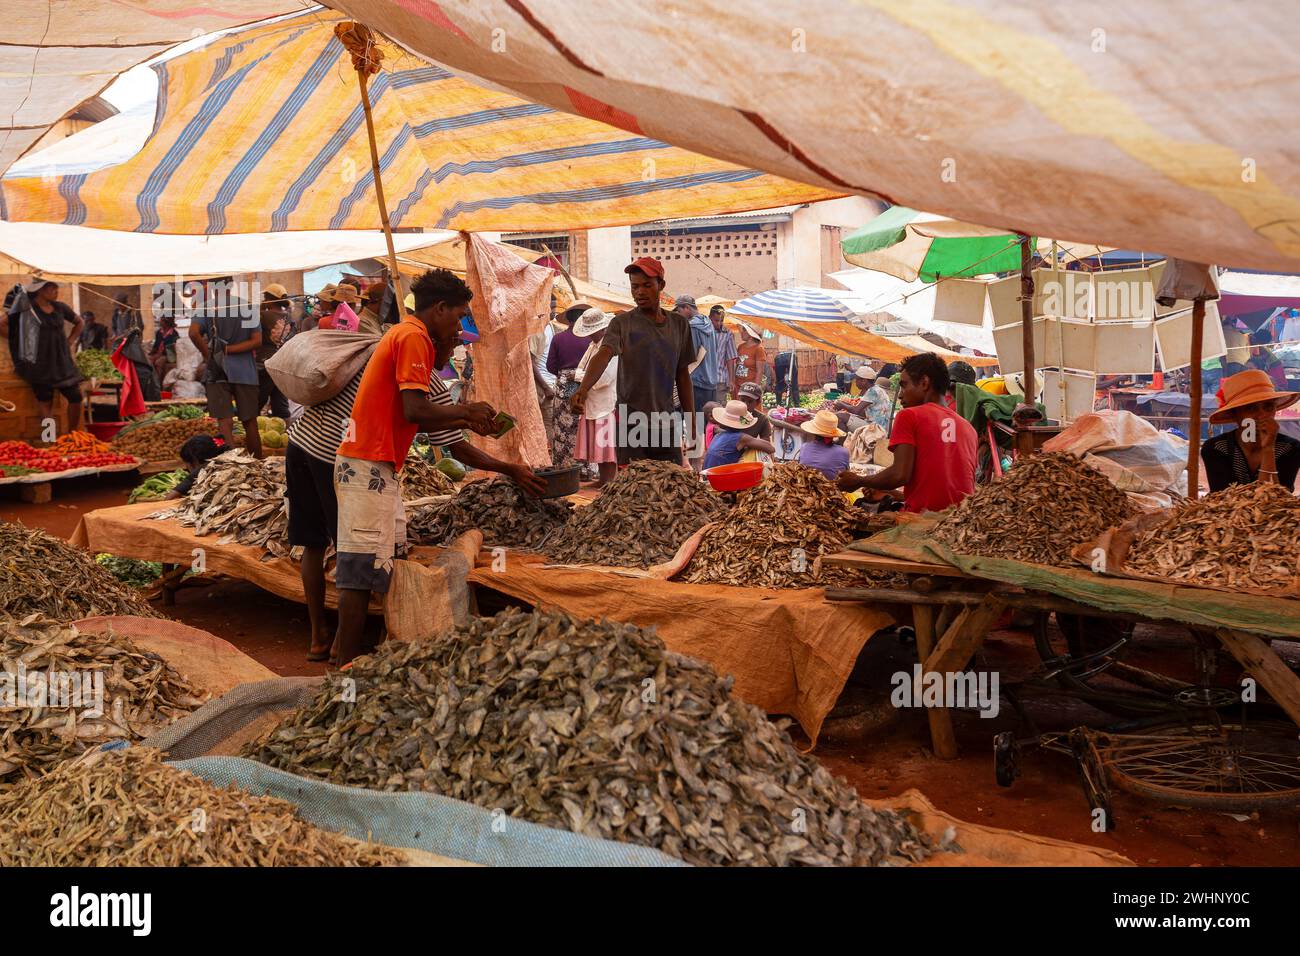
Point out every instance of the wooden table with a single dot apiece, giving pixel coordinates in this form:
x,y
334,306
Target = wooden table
x,y
953,613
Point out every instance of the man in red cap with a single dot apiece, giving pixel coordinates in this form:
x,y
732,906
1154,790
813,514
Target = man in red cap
x,y
655,353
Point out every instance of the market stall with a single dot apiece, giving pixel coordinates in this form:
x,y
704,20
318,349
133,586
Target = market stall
x,y
968,593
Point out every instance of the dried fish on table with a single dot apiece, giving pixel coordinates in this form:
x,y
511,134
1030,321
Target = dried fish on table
x,y
74,690
499,508
41,573
421,478
1038,512
1243,536
593,727
128,808
242,499
640,519
776,533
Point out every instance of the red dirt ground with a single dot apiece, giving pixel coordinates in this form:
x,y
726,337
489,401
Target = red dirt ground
x,y
880,758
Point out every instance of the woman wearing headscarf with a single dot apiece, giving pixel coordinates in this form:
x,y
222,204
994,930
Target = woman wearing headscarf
x,y
562,361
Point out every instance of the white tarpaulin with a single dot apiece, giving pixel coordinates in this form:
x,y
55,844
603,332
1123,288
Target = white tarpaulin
x,y
58,53
913,302
79,254
1166,125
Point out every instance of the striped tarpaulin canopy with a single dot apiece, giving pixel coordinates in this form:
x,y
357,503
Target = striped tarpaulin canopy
x,y
799,304
262,131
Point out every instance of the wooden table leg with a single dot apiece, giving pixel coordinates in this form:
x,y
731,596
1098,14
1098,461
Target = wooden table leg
x,y
1262,663
942,737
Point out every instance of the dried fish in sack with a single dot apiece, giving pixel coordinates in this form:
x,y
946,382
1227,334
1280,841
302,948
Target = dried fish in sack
x,y
40,573
499,508
74,690
128,808
1038,512
589,726
1243,536
640,519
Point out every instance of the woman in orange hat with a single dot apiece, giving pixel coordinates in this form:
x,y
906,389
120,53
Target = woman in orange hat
x,y
1253,450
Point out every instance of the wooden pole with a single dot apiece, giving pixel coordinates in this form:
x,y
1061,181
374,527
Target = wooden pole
x,y
366,59
1025,439
1194,370
364,81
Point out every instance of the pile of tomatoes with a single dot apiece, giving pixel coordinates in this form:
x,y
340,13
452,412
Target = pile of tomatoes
x,y
43,459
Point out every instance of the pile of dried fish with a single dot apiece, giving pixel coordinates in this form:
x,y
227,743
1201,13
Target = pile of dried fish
x,y
640,520
774,536
1244,535
43,574
421,478
63,691
507,517
128,808
1045,506
593,727
241,498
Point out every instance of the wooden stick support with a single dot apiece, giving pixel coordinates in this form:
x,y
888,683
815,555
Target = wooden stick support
x,y
366,59
1194,426
1024,439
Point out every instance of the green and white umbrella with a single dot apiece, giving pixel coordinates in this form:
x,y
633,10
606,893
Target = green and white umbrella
x,y
919,245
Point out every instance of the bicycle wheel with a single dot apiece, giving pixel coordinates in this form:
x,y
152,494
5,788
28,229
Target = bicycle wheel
x,y
1216,767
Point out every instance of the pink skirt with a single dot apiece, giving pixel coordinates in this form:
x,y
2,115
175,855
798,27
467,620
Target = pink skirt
x,y
596,439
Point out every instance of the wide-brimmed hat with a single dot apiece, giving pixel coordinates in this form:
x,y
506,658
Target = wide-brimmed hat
x,y
36,285
735,414
591,322
866,372
1249,388
343,292
824,424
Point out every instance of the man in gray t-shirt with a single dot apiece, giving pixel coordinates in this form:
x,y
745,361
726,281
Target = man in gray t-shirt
x,y
655,352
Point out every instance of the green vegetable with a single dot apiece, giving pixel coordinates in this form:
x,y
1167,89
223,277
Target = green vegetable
x,y
130,571
452,469
156,486
13,471
96,363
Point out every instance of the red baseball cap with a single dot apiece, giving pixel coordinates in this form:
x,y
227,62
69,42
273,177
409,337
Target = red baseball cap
x,y
651,267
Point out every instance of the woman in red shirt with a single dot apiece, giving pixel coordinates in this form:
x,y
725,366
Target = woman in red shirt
x,y
934,448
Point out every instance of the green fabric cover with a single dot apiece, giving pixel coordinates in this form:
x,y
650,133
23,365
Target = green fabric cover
x,y
975,256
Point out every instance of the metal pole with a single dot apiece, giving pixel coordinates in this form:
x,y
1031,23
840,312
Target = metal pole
x,y
1194,375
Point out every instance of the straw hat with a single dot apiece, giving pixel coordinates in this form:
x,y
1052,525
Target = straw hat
x,y
1249,388
825,424
343,292
591,322
327,294
734,415
273,291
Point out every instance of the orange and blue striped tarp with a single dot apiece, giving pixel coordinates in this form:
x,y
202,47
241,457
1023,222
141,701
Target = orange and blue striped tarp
x,y
262,130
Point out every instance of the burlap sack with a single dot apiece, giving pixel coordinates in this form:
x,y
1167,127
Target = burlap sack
x,y
314,366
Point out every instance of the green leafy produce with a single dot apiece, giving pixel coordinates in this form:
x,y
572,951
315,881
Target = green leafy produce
x,y
156,487
13,471
96,363
179,411
138,574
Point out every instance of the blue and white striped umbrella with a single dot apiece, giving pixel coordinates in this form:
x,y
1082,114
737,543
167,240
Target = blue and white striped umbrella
x,y
795,305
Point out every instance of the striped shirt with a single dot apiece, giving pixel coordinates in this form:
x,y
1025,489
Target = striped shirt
x,y
320,429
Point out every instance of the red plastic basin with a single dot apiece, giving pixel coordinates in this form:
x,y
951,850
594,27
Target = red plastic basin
x,y
105,431
737,477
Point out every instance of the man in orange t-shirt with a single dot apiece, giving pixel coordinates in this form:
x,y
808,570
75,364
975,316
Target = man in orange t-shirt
x,y
399,395
933,446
